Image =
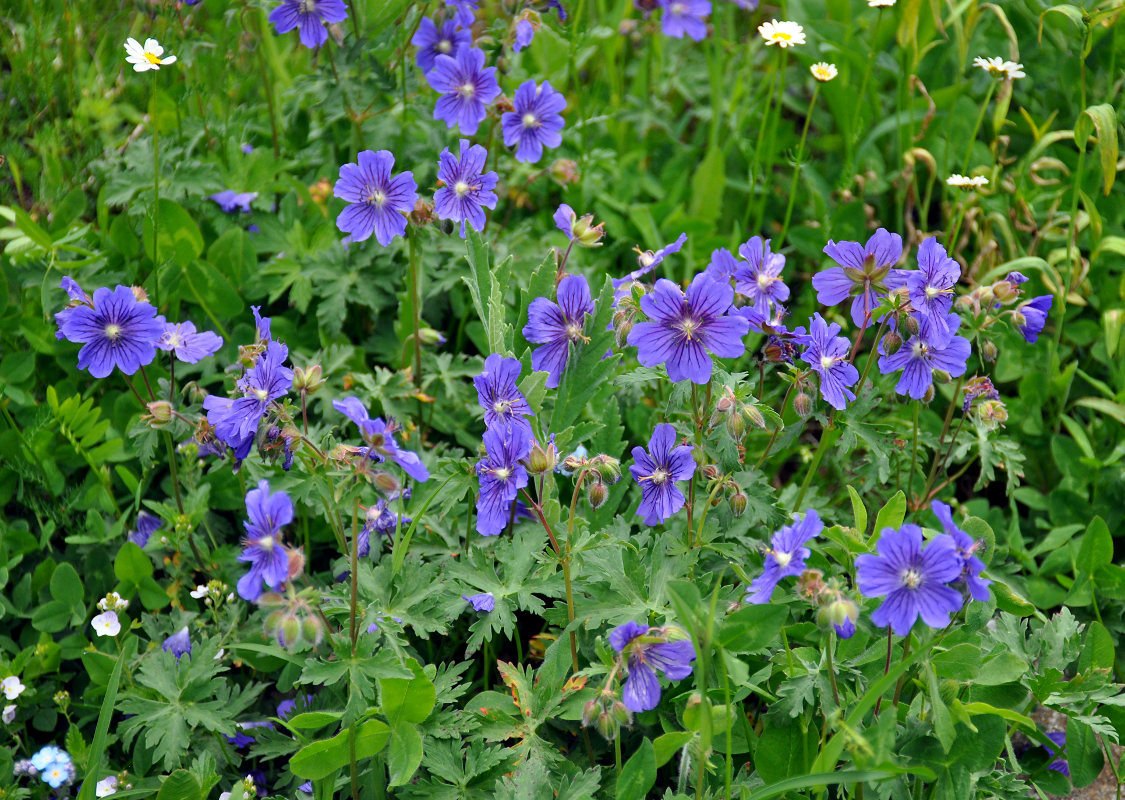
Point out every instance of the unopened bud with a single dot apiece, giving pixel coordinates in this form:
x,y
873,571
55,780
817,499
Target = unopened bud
x,y
736,427
738,502
1003,290
941,376
296,561
597,494
271,600
308,379
621,713
542,459
989,351
312,630
725,404
607,726
609,468
160,412
386,482
928,397
565,171
589,712
273,622
288,631
802,404
621,332
754,416
913,327
430,337
892,343
710,471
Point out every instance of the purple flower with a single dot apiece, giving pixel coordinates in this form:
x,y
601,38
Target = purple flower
x,y
269,562
748,5
647,261
846,629
189,345
236,420
306,787
931,285
117,330
480,602
1030,317
646,652
556,325
380,439
785,556
466,190
558,6
380,519
178,644
503,403
1060,764
466,86
760,277
864,271
913,578
685,17
465,10
286,708
310,15
247,148
920,355
967,548
377,200
723,265
827,354
525,33
684,328
535,123
241,740
501,476
147,524
657,472
77,297
431,41
230,201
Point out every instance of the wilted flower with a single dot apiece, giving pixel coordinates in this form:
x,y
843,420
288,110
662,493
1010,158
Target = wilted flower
x,y
783,34
178,644
151,56
236,420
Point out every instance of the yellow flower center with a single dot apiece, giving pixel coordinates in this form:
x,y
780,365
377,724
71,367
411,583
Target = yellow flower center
x,y
152,59
781,36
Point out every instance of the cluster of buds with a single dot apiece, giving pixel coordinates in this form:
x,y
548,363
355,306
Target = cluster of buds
x,y
735,413
719,485
320,192
608,713
62,700
292,620
279,442
982,403
836,610
308,380
565,171
213,593
113,602
543,458
595,472
423,213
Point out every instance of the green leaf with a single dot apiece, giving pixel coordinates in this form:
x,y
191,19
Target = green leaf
x,y
831,779
784,751
669,744
320,759
639,773
752,628
66,586
707,185
1098,651
1103,119
591,371
131,564
943,722
311,720
101,730
178,236
859,511
1097,547
891,515
31,230
180,785
1107,407
1000,669
1083,753
404,754
407,700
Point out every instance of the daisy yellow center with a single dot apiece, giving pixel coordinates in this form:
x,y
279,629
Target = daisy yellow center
x,y
660,476
782,36
152,59
261,394
530,120
461,188
377,197
112,331
468,90
266,543
911,578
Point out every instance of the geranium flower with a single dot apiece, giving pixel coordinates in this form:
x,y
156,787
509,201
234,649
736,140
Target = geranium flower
x,y
503,403
466,86
501,476
467,192
535,123
827,354
432,41
555,326
310,16
657,472
117,330
378,201
269,561
685,18
785,556
647,651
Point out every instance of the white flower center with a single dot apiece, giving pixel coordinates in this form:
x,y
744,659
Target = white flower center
x,y
920,349
112,331
501,406
262,395
461,188
660,476
502,473
445,46
175,340
574,331
932,292
678,8
266,543
827,361
530,120
782,558
688,326
911,578
468,90
764,282
377,198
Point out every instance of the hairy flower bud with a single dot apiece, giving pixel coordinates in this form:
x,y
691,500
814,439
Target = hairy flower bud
x,y
597,494
738,502
989,351
892,343
586,233
736,427
159,413
803,404
725,404
589,712
609,468
565,171
542,459
288,630
928,397
754,416
621,714
913,327
941,376
312,630
608,726
710,471
296,561
308,379
430,337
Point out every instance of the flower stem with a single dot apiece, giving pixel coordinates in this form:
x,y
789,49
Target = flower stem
x,y
886,668
829,432
797,167
913,454
355,587
831,645
976,128
155,190
416,313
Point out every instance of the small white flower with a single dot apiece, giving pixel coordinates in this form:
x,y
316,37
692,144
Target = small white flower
x,y
9,714
200,591
880,3
12,687
106,624
823,71
224,796
965,182
999,68
783,34
219,655
106,786
112,602
148,57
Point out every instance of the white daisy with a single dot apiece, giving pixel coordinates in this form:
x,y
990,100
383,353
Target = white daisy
x,y
106,624
965,182
823,71
12,687
783,34
151,56
999,68
880,3
106,786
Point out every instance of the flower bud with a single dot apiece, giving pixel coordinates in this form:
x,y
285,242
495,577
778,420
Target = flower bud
x,y
621,332
542,459
609,468
1004,291
312,630
159,412
288,630
140,293
892,343
565,171
989,351
710,471
589,712
503,104
725,404
273,622
296,561
308,379
269,599
928,397
736,427
321,191
913,327
597,494
738,502
941,376
754,416
430,338
586,233
802,404
621,714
